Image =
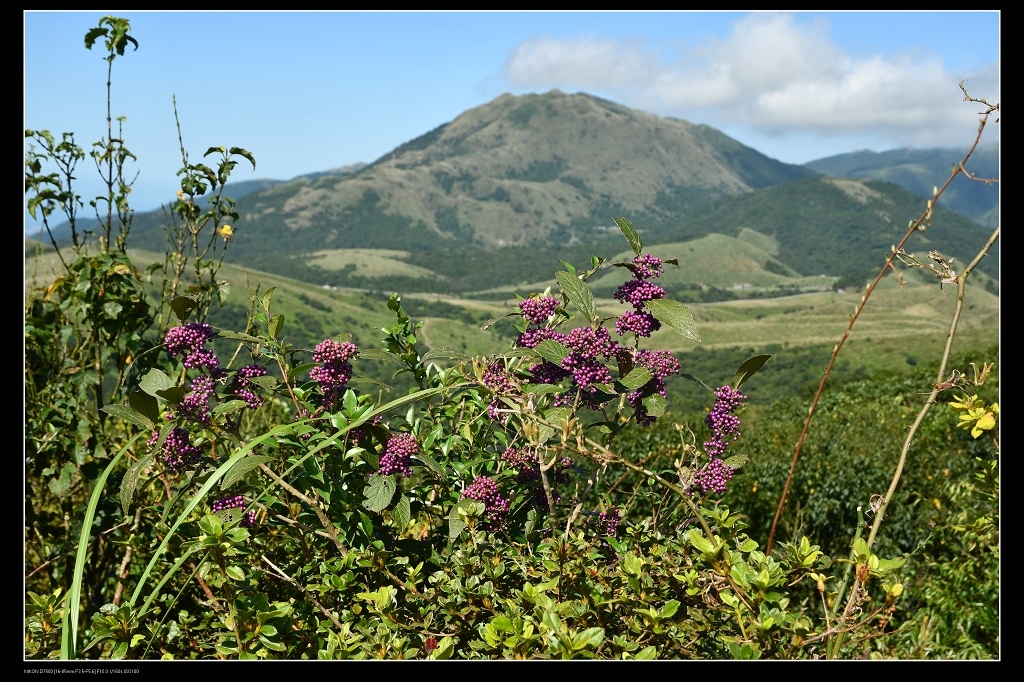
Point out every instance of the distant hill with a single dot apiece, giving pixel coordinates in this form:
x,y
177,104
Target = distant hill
x,y
921,170
505,190
527,170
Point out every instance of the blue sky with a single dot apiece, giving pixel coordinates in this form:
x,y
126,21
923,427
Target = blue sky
x,y
311,91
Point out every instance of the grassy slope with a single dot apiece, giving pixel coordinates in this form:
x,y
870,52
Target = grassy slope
x,y
901,325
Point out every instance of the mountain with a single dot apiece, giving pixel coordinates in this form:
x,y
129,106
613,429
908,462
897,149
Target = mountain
x,y
519,170
921,170
505,190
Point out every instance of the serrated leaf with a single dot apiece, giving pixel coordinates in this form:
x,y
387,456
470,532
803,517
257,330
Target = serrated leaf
x,y
229,516
129,415
637,377
265,381
401,513
174,394
736,461
455,528
675,315
630,233
693,378
519,352
265,301
431,464
379,492
363,381
748,368
183,306
378,354
131,479
552,351
155,381
228,407
145,405
558,415
276,322
540,389
238,336
241,467
445,352
578,293
655,404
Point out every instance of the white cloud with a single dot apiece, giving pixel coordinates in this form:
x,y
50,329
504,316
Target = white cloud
x,y
583,62
772,75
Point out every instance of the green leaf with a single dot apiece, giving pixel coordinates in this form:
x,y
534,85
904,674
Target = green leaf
x,y
155,381
145,405
265,381
541,389
244,153
885,565
431,464
445,352
578,293
675,315
378,354
183,306
276,322
265,301
238,336
243,466
131,479
655,404
637,377
552,351
747,369
129,415
693,378
629,232
228,407
590,638
379,492
401,513
736,461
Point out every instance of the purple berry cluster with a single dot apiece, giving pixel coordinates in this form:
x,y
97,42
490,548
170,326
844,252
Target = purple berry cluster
x,y
714,477
636,292
661,364
524,462
195,406
397,457
484,489
724,425
335,370
178,452
725,428
190,341
243,386
236,502
538,310
610,520
497,379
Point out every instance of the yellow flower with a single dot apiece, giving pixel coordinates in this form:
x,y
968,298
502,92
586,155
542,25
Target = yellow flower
x,y
967,402
226,231
979,419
